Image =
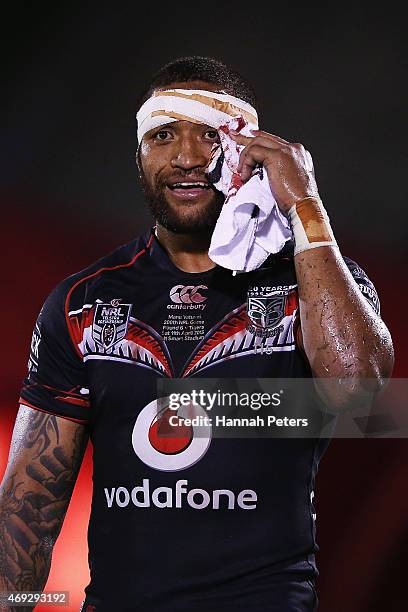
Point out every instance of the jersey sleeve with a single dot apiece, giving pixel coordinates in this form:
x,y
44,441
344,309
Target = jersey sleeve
x,y
364,283
56,381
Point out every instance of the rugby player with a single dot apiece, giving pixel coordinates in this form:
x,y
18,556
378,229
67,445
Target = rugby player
x,y
187,523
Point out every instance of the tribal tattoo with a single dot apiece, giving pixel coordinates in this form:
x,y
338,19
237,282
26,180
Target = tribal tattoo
x,y
45,457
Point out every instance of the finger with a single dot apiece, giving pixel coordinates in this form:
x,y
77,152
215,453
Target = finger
x,y
250,142
265,145
267,142
240,138
271,136
244,140
253,155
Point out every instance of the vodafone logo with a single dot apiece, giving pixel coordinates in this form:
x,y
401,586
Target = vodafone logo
x,y
166,447
158,445
187,294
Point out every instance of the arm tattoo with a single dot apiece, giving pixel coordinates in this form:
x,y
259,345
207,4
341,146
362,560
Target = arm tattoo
x,y
33,505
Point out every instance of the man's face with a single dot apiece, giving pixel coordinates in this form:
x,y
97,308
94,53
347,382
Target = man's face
x,y
173,159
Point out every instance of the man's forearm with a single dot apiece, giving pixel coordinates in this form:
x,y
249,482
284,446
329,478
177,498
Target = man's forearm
x,y
22,577
343,337
45,456
25,554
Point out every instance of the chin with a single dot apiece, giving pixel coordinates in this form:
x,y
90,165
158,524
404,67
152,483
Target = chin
x,y
186,225
189,217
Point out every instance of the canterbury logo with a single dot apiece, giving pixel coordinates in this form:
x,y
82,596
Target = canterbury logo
x,y
187,294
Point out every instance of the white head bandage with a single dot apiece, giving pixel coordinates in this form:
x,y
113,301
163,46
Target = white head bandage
x,y
194,105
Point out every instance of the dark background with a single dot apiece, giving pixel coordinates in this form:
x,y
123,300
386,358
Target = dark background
x,y
335,82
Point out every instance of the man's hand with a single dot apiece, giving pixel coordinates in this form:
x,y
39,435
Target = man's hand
x,y
288,165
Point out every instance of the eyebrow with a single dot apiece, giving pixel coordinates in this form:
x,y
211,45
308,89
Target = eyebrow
x,y
173,124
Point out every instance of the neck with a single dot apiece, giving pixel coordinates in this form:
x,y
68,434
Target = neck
x,y
189,252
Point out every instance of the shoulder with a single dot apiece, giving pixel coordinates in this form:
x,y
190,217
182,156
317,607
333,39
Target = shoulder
x,y
73,290
355,269
357,272
364,283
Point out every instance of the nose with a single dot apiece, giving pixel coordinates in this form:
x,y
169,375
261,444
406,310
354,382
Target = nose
x,y
189,154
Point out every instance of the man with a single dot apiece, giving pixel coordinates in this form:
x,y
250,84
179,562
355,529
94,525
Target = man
x,y
188,523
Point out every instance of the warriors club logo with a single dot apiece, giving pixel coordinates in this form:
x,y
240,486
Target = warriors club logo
x,y
266,312
268,306
169,447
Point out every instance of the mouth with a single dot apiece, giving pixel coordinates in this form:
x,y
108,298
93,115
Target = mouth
x,y
184,190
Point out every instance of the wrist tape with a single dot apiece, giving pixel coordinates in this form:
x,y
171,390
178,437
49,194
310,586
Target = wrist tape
x,y
310,225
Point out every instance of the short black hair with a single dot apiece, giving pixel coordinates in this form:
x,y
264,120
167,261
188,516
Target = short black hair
x,y
199,68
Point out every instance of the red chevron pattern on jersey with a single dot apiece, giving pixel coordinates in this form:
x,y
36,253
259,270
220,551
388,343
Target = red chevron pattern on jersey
x,y
142,345
226,337
145,341
231,338
145,346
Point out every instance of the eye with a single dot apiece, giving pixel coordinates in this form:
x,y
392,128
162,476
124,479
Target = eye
x,y
162,135
212,135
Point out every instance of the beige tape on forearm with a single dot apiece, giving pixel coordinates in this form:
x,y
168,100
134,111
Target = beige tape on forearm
x,y
310,225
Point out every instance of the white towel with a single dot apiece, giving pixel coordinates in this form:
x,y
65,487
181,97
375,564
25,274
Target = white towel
x,y
250,226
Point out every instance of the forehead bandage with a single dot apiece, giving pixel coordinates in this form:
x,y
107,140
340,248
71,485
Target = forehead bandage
x,y
194,105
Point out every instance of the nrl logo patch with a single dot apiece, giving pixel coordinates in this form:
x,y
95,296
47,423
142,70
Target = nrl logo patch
x,y
110,324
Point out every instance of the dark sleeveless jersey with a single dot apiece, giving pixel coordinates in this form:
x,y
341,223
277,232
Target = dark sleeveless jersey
x,y
206,522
